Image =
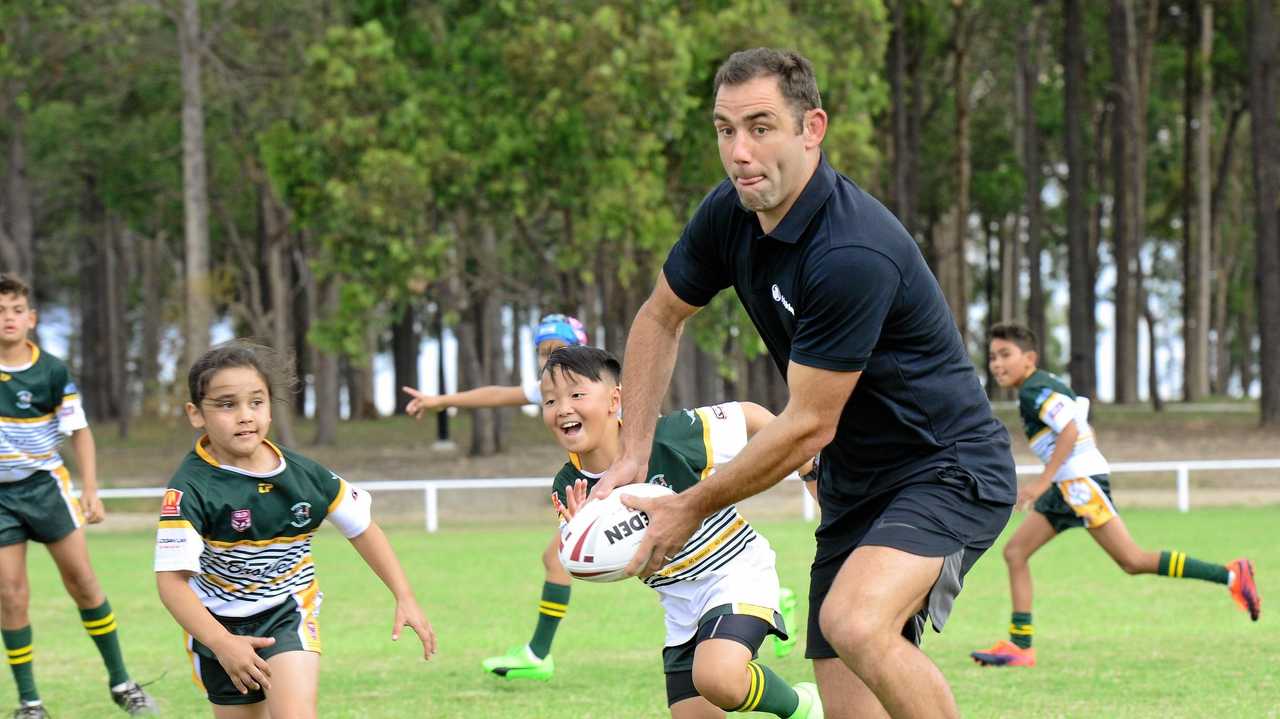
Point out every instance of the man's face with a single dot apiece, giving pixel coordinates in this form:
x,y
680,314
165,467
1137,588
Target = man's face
x,y
578,410
762,148
1009,363
16,319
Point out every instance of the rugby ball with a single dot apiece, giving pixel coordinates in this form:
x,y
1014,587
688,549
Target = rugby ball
x,y
598,543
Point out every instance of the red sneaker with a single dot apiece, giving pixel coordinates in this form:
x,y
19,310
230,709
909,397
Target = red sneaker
x,y
1005,654
1244,589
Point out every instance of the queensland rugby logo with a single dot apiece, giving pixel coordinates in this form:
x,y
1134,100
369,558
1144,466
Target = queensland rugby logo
x,y
24,399
241,519
301,514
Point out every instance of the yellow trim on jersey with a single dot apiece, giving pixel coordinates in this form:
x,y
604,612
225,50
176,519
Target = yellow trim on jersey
x,y
27,420
204,453
73,503
176,524
24,455
575,461
342,489
706,443
708,548
261,542
1040,435
191,657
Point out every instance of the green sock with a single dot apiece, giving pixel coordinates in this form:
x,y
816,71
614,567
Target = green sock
x,y
1020,629
555,602
1179,565
769,693
17,643
100,622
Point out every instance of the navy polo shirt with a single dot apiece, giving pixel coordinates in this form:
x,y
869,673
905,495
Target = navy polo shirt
x,y
840,285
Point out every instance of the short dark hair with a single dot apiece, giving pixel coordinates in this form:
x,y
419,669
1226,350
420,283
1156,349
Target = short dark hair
x,y
591,363
1018,334
795,75
275,368
10,284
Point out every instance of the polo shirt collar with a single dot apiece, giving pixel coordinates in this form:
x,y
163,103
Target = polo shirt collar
x,y
811,199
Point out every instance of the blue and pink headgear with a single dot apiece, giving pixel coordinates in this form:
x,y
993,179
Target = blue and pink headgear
x,y
560,327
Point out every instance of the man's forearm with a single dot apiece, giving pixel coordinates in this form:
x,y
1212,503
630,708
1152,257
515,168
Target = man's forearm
x,y
646,374
771,454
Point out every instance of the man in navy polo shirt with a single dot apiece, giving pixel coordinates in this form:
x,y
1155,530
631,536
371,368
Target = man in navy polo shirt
x,y
916,479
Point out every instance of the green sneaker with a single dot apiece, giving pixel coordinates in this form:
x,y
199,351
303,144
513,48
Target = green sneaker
x,y
521,663
810,702
787,608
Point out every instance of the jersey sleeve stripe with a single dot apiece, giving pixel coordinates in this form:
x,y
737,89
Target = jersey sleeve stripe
x,y
706,443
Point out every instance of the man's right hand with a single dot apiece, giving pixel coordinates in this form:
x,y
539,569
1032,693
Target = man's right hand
x,y
420,403
239,658
626,470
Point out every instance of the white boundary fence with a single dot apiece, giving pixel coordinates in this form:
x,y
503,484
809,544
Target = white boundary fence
x,y
431,488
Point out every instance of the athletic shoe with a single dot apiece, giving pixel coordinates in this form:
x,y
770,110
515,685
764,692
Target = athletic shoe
x,y
1006,654
1244,589
30,711
134,701
787,608
521,663
810,702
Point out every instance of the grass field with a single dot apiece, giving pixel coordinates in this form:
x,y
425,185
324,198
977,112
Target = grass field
x,y
1109,645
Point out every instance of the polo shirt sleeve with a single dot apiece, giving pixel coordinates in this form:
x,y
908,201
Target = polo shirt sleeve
x,y
848,293
694,268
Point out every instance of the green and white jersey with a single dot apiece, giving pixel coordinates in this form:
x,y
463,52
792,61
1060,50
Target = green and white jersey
x,y
687,447
247,536
1047,405
39,407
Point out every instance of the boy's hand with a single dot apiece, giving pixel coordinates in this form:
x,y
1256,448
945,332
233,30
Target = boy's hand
x,y
576,496
409,614
239,658
420,403
92,507
1029,493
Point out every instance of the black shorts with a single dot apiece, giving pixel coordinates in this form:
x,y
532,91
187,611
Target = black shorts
x,y
39,508
939,516
295,627
1087,503
721,622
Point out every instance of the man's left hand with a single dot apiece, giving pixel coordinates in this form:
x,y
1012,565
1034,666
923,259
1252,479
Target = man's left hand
x,y
671,522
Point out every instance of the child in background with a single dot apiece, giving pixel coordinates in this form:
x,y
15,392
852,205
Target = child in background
x,y
233,550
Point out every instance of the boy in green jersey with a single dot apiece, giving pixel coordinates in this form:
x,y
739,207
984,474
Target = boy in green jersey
x,y
719,593
1074,491
39,408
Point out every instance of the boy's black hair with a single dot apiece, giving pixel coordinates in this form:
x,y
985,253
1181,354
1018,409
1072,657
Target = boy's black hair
x,y
591,363
275,369
11,284
1018,334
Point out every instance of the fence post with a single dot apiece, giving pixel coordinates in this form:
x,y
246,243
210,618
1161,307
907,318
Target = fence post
x,y
809,504
1184,488
431,497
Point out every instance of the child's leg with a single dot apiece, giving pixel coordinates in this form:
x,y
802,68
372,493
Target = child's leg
x,y
696,708
15,594
1114,537
726,676
294,680
1034,532
554,602
241,711
71,554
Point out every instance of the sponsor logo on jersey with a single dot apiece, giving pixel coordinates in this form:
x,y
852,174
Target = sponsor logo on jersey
x,y
241,519
24,399
1055,409
66,411
717,411
635,523
301,514
777,297
170,506
265,487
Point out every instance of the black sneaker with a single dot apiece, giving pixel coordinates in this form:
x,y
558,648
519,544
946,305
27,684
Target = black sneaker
x,y
30,711
134,701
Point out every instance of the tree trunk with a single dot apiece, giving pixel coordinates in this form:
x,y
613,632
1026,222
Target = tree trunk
x,y
1197,257
1226,258
903,201
304,312
151,259
328,407
1125,230
1079,266
1029,68
406,338
195,194
958,266
277,275
1153,378
1263,96
19,250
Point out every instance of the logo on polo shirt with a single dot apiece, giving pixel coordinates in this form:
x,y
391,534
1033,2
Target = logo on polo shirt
x,y
777,297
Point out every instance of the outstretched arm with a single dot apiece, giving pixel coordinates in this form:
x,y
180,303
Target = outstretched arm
x,y
373,546
487,396
646,373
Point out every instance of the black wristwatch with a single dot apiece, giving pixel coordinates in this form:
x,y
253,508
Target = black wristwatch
x,y
812,474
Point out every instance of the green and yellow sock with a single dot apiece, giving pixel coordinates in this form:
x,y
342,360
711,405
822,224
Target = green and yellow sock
x,y
17,644
1180,566
100,623
1020,629
551,609
768,693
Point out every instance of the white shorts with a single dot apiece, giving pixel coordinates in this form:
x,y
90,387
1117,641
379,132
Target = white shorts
x,y
750,578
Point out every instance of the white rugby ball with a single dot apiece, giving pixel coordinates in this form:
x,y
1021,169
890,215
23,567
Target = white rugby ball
x,y
598,543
